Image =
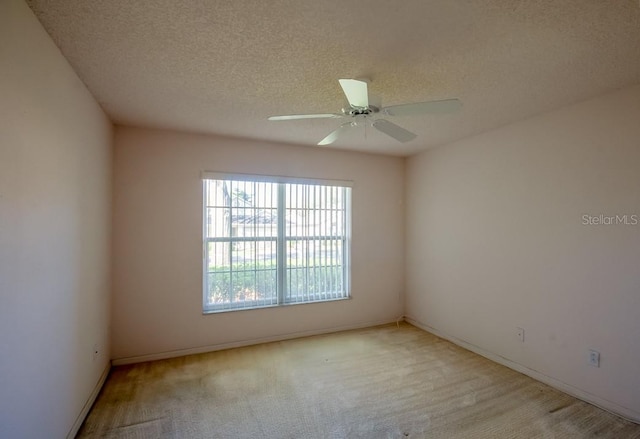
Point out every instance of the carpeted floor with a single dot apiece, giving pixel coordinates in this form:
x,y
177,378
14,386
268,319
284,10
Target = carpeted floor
x,y
382,382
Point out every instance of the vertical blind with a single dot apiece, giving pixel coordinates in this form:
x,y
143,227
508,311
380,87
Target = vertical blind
x,y
274,242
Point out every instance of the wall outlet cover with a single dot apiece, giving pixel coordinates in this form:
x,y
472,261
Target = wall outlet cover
x,y
520,332
594,358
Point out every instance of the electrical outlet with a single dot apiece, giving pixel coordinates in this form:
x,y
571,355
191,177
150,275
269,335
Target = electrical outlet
x,y
594,358
520,334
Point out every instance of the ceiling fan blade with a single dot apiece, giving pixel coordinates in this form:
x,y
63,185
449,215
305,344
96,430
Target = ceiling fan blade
x,y
356,92
393,130
444,106
333,136
306,116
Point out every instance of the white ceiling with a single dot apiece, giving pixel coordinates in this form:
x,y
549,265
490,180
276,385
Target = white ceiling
x,y
224,66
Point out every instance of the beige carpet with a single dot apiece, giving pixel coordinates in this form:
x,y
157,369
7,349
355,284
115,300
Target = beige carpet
x,y
383,382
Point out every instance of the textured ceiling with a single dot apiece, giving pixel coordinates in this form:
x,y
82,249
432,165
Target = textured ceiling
x,y
224,66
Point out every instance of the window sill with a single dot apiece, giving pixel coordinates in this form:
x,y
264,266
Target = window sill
x,y
253,308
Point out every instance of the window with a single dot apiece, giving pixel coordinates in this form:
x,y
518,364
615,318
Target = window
x,y
272,241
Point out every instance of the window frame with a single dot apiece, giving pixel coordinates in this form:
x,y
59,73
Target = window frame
x,y
281,239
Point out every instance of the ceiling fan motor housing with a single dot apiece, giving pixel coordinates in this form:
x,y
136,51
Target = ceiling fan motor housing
x,y
356,111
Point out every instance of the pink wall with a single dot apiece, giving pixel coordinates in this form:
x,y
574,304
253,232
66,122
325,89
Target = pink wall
x,y
157,296
496,241
55,223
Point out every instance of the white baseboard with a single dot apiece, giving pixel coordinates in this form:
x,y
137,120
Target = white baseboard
x,y
583,395
238,344
87,406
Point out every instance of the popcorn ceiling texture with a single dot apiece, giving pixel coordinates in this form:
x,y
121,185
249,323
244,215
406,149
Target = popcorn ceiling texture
x,y
223,67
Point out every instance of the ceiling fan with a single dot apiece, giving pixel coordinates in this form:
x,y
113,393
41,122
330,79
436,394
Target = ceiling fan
x,y
361,112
